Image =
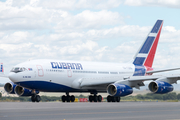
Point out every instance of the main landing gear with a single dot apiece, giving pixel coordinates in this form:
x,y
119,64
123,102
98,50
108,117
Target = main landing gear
x,y
113,99
95,98
92,98
35,98
68,98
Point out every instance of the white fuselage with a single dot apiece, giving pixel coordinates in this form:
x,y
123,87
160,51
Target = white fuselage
x,y
46,75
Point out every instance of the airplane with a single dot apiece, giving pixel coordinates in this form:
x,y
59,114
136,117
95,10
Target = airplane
x,y
117,79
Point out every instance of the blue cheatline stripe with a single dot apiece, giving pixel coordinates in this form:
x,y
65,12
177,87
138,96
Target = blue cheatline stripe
x,y
147,45
46,86
139,61
139,71
156,26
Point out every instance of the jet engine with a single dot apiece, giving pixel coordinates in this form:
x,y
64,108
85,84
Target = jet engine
x,y
119,90
9,87
23,91
160,87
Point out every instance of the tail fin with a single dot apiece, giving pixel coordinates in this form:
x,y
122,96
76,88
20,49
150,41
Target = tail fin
x,y
1,69
145,55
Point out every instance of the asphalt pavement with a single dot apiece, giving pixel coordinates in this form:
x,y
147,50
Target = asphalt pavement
x,y
90,111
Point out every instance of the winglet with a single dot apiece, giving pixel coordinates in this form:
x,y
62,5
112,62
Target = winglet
x,y
145,55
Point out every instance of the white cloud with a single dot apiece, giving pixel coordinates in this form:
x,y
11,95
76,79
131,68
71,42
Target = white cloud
x,y
169,29
15,48
163,3
79,4
36,29
1,34
119,31
67,4
90,20
16,37
170,34
28,17
24,16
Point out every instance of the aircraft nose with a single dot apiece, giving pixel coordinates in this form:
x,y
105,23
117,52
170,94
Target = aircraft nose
x,y
13,77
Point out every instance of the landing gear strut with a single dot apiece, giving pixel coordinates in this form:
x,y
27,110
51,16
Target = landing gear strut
x,y
68,98
113,99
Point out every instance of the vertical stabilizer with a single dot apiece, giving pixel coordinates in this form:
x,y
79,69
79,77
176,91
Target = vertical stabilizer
x,y
2,69
145,55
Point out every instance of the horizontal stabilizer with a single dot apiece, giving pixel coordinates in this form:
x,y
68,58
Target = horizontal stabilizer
x,y
162,70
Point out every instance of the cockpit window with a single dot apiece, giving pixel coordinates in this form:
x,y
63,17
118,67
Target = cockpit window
x,y
18,69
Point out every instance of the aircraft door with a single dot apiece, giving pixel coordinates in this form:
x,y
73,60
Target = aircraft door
x,y
40,70
69,73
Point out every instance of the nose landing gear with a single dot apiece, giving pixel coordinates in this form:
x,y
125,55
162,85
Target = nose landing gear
x,y
35,98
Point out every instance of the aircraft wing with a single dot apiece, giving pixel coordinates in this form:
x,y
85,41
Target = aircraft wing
x,y
2,75
92,82
133,81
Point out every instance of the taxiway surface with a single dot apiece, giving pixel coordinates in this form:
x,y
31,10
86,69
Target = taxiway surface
x,y
89,111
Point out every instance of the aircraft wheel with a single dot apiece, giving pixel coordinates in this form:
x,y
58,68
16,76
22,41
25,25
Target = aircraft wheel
x,y
113,99
33,98
95,98
63,98
90,98
38,98
108,98
99,98
72,98
118,99
68,98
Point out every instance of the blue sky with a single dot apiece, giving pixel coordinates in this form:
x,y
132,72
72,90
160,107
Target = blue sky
x,y
144,16
86,30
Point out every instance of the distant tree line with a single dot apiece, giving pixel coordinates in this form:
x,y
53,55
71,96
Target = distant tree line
x,y
28,99
152,96
43,98
148,96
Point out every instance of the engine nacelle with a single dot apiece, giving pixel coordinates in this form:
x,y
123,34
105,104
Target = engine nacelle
x,y
119,90
9,87
160,87
23,91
